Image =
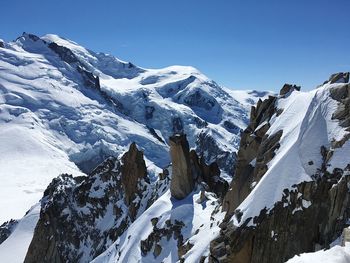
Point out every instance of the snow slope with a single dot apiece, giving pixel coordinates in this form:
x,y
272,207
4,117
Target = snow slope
x,y
15,247
336,254
307,124
52,120
201,225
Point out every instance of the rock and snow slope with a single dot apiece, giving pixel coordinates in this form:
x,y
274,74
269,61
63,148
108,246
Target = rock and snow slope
x,y
290,193
307,124
64,108
291,184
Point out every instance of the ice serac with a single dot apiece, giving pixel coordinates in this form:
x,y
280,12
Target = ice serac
x,y
182,182
300,201
81,216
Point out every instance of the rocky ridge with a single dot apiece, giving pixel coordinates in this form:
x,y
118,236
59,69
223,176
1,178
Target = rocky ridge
x,y
81,216
310,215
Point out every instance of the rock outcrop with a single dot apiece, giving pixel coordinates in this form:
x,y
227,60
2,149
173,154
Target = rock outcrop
x,y
256,150
310,214
209,174
75,210
133,170
182,182
288,88
308,218
6,229
340,77
188,169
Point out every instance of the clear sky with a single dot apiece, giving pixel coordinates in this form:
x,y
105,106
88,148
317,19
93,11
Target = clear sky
x,y
241,44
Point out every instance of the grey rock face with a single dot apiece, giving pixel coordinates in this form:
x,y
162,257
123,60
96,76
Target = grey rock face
x,y
288,88
290,228
341,77
64,53
189,169
256,150
209,174
182,182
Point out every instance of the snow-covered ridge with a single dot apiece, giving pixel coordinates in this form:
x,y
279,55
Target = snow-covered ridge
x,y
54,118
307,122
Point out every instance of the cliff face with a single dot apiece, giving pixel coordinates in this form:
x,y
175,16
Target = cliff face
x,y
80,217
182,181
256,150
309,217
188,170
314,208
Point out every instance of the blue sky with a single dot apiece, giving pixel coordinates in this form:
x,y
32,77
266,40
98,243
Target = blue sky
x,y
240,44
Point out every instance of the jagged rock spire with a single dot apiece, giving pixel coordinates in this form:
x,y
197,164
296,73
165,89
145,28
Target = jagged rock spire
x,y
182,182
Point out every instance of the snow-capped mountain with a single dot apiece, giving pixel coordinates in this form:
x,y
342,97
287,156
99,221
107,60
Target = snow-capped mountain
x,y
143,155
64,109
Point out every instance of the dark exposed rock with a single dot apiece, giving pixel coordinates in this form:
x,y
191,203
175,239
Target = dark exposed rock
x,y
157,250
64,53
72,208
171,229
341,77
256,150
164,175
288,88
197,99
149,112
208,147
307,218
182,182
188,168
342,95
200,123
232,127
153,132
2,44
177,125
6,229
89,79
210,174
